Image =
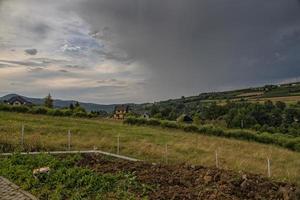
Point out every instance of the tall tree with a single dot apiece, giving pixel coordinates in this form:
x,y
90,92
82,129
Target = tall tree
x,y
48,101
77,104
71,106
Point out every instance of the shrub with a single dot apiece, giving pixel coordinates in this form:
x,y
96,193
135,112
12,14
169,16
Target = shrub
x,y
169,124
153,122
80,114
190,128
55,112
21,109
67,112
39,110
5,107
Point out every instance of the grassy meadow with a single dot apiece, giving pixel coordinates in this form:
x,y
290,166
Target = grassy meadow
x,y
148,143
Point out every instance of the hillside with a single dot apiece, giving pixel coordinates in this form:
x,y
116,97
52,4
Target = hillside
x,y
64,103
289,93
152,144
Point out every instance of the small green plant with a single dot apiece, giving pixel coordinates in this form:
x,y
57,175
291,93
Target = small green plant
x,y
66,180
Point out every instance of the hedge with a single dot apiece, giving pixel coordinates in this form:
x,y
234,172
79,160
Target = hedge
x,y
45,111
286,141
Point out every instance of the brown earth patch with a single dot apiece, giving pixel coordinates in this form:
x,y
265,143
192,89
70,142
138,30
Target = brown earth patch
x,y
195,182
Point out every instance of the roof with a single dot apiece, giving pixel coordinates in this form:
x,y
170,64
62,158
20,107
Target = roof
x,y
19,99
187,118
122,108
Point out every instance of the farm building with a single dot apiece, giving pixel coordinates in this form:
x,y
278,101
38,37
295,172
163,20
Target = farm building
x,y
185,119
121,111
146,116
17,101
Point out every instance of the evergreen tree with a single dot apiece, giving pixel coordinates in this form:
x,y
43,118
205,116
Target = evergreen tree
x,y
48,101
71,106
77,104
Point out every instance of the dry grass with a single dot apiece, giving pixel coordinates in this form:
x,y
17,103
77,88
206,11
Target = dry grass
x,y
149,143
287,99
248,94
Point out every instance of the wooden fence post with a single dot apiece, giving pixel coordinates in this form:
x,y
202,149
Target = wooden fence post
x,y
118,145
166,153
217,159
69,140
269,167
22,136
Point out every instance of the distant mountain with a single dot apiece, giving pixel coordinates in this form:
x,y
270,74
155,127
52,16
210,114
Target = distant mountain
x,y
64,103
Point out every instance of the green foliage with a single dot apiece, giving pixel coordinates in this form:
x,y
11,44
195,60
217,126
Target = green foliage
x,y
286,141
39,110
48,101
76,112
169,124
66,180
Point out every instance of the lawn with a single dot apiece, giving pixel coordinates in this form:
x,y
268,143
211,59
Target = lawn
x,y
147,143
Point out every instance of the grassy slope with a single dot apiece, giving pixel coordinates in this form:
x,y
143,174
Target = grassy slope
x,y
149,143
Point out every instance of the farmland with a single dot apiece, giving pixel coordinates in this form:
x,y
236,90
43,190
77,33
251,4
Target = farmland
x,y
43,133
90,176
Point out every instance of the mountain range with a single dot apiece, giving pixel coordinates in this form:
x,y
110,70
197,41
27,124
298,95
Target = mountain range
x,y
65,103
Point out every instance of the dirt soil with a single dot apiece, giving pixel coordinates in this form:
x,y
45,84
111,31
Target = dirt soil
x,y
195,182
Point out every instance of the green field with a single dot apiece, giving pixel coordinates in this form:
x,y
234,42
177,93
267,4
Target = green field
x,y
147,143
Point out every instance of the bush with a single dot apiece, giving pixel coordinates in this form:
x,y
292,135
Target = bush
x,y
39,110
54,112
67,112
190,128
153,122
21,109
80,114
5,107
169,124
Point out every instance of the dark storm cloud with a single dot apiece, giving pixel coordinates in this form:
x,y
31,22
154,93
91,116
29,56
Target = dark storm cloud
x,y
191,46
31,51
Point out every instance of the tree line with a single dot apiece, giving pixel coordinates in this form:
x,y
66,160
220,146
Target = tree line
x,y
267,116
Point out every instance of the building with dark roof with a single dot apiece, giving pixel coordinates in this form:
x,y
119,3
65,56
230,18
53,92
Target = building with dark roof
x,y
121,111
17,101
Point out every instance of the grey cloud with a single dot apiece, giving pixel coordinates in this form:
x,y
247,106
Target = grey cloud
x,y
31,51
2,65
192,46
24,63
35,69
74,66
114,56
177,47
63,71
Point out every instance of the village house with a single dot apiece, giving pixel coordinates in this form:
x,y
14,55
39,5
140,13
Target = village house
x,y
17,101
146,116
121,111
185,119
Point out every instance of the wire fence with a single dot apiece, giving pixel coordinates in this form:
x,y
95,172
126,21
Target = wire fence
x,y
140,147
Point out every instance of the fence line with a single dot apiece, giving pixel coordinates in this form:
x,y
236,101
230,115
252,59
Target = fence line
x,y
166,153
75,152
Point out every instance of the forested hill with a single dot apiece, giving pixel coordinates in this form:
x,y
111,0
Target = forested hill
x,y
272,108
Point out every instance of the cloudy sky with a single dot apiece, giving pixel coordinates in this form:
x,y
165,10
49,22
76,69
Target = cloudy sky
x,y
116,51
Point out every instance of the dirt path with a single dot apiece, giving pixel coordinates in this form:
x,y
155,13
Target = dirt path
x,y
195,182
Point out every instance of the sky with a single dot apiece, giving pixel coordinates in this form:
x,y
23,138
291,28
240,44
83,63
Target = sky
x,y
113,51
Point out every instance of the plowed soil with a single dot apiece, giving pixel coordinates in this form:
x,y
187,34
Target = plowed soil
x,y
195,182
